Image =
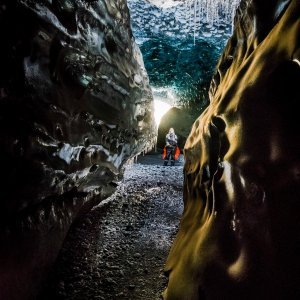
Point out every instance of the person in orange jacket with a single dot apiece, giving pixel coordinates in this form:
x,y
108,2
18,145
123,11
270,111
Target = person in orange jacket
x,y
171,149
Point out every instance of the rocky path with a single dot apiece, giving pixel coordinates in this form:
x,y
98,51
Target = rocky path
x,y
118,251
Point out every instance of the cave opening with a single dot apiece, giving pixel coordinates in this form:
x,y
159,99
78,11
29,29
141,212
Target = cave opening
x,y
160,109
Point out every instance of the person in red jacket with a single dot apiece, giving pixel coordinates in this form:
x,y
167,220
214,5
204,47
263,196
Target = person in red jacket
x,y
171,149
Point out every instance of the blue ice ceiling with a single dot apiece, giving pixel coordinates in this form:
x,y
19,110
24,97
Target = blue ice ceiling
x,y
181,42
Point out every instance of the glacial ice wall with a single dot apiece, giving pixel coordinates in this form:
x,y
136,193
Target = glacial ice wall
x,y
75,107
239,234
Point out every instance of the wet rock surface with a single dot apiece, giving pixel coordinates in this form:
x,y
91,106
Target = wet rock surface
x,y
118,250
239,234
75,106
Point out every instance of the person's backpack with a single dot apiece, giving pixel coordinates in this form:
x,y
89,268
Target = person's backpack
x,y
164,154
177,153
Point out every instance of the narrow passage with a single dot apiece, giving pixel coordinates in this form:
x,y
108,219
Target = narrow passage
x,y
119,249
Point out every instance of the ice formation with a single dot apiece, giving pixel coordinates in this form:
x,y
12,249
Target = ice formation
x,y
180,47
239,233
180,19
76,105
193,17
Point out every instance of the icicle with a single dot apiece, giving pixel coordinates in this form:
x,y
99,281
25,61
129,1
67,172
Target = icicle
x,y
207,12
195,4
186,9
190,14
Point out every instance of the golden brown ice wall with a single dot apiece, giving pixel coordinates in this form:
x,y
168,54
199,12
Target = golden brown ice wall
x,y
75,105
239,235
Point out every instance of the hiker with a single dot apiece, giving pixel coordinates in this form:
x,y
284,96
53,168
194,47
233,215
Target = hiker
x,y
171,150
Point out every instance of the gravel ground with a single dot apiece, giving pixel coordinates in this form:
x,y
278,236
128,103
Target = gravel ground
x,y
119,249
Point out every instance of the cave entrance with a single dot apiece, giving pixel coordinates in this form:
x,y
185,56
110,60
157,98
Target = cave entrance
x,y
181,42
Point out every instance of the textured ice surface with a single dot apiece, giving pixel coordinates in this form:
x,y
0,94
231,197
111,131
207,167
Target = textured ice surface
x,y
239,234
181,42
180,19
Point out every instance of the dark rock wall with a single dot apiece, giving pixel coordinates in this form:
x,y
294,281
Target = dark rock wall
x,y
239,235
75,105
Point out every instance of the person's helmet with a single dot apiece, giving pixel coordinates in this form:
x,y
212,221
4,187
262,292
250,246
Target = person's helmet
x,y
171,130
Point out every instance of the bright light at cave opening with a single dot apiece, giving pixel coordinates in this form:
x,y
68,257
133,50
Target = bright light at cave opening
x,y
160,108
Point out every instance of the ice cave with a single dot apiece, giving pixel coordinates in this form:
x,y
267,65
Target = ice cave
x,y
89,92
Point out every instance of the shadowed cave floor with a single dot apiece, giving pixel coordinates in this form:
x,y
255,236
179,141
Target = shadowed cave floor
x,y
119,249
